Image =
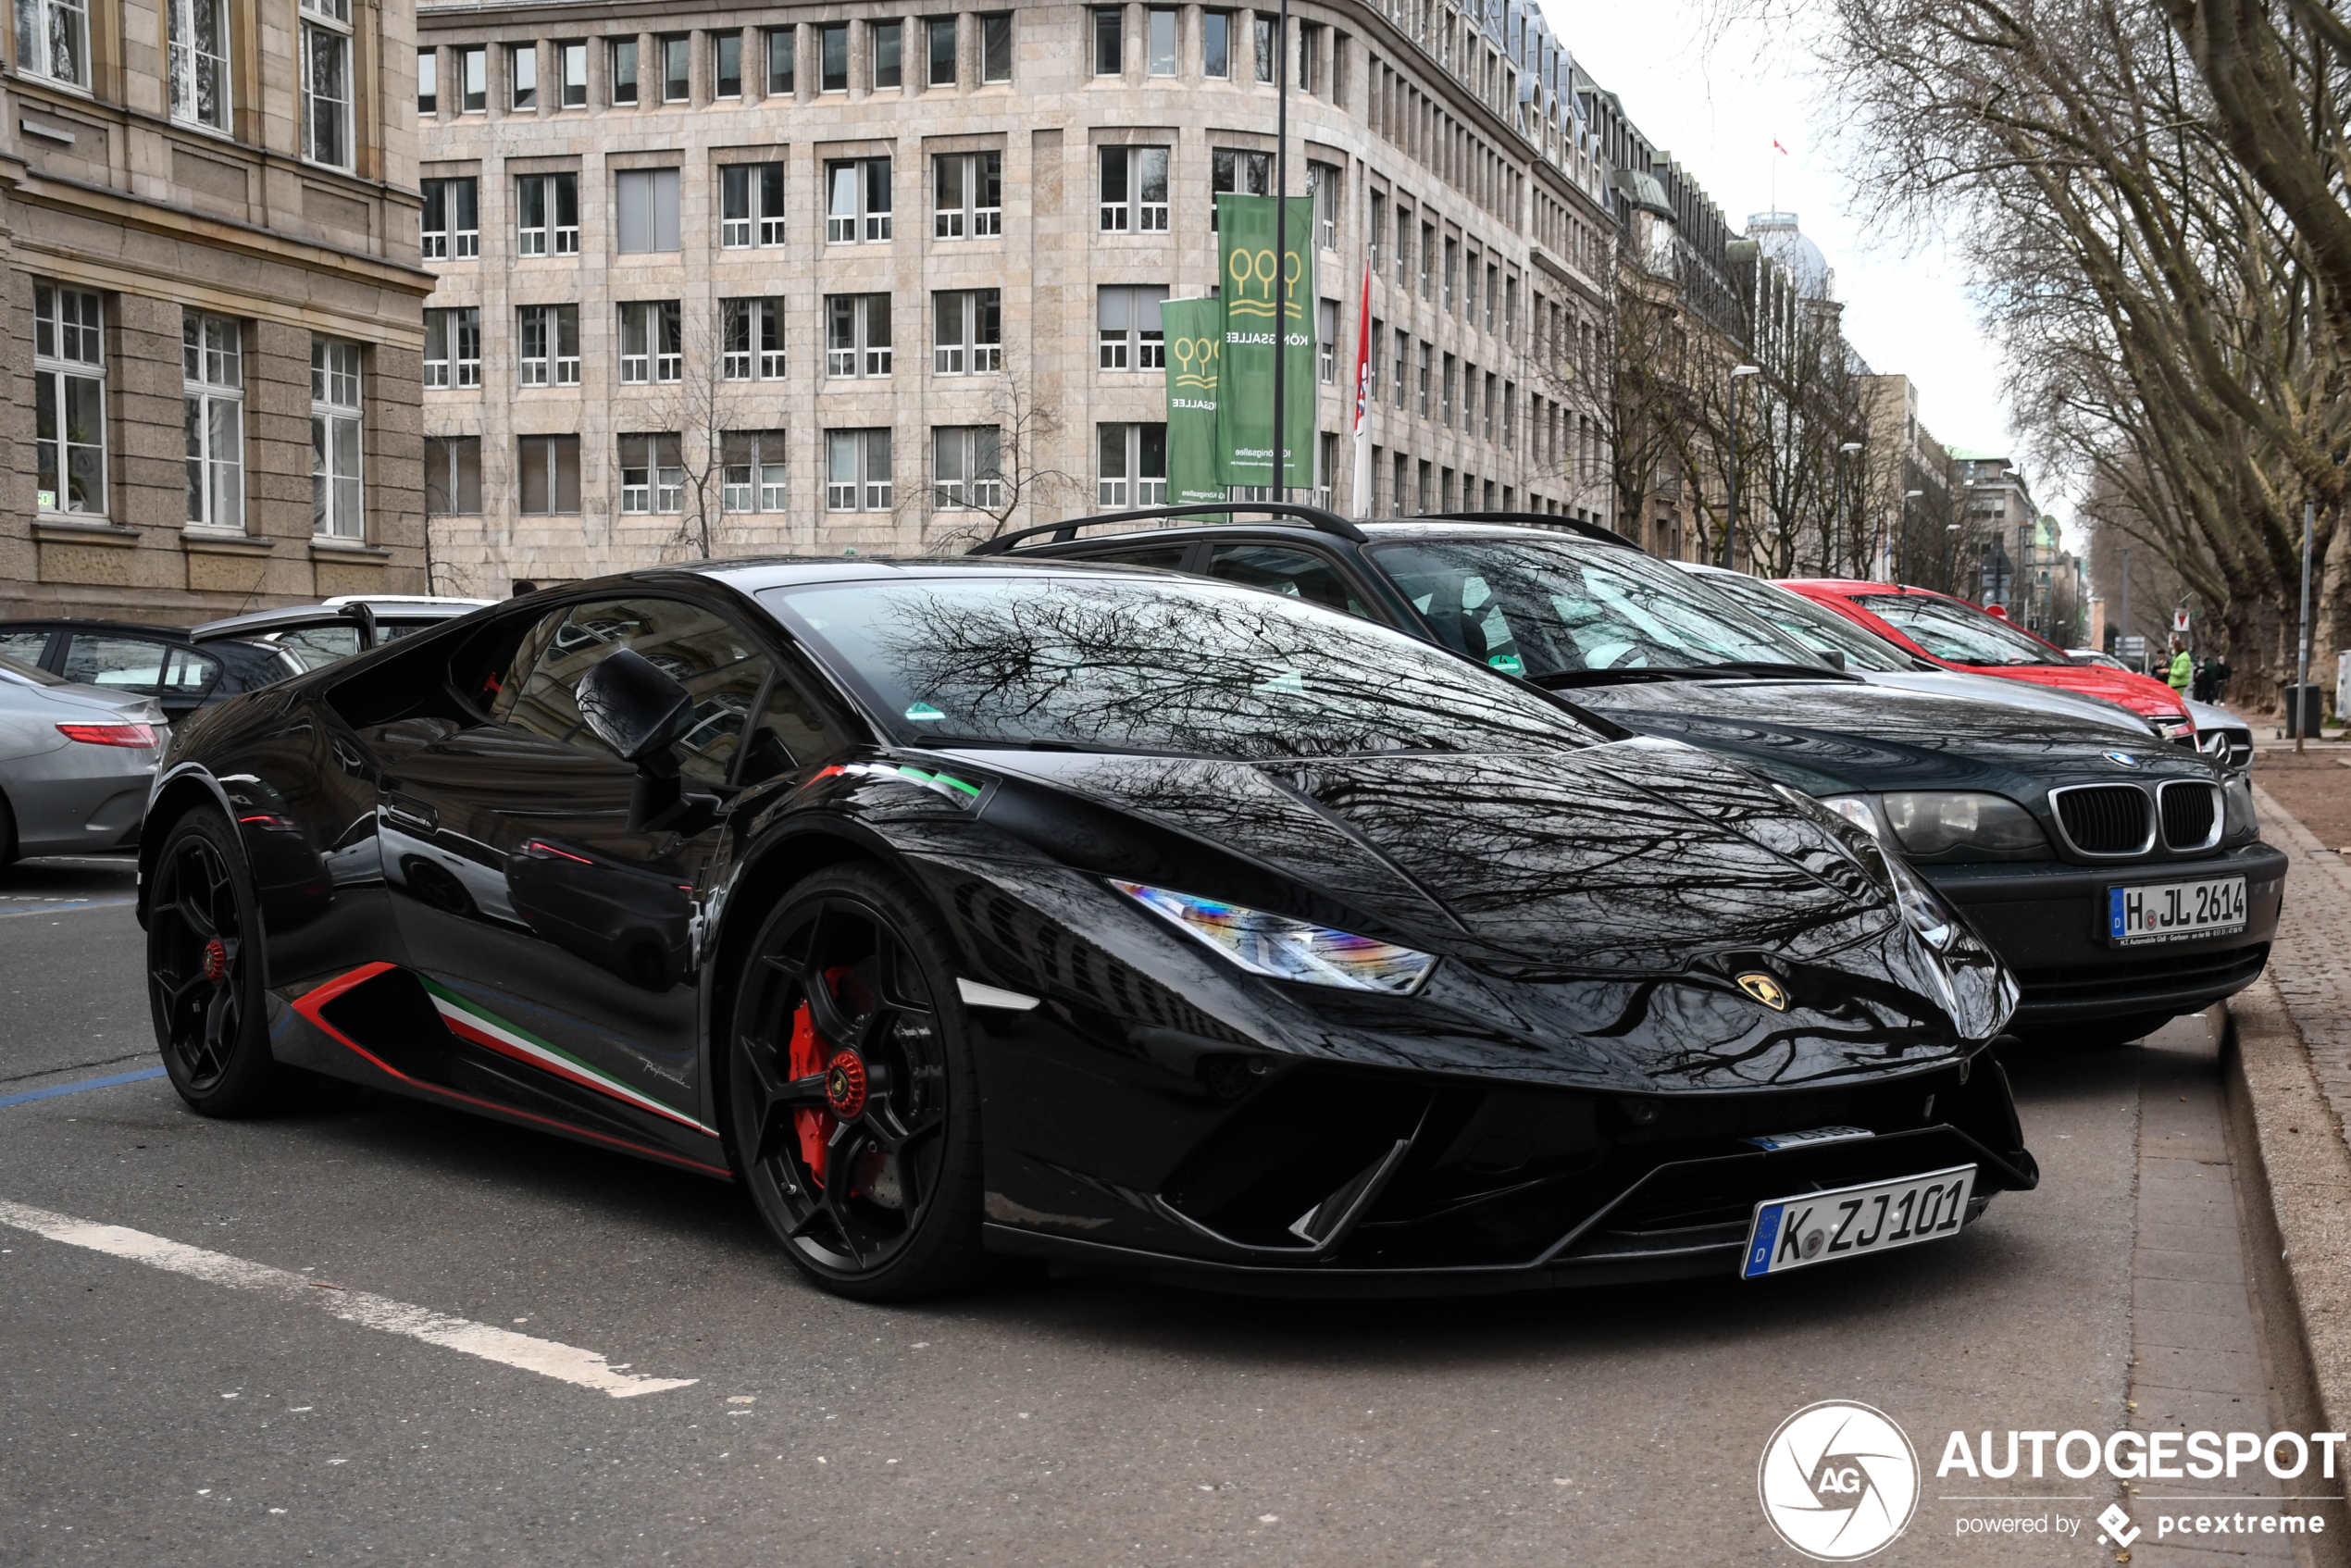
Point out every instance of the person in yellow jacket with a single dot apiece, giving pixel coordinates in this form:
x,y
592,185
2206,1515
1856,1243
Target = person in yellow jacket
x,y
2183,674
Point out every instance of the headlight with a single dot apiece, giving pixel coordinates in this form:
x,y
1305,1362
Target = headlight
x,y
1856,810
2175,729
1935,822
2239,819
1283,949
1922,910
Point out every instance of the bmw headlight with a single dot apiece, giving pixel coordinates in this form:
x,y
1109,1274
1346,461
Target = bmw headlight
x,y
1283,949
1938,822
1923,910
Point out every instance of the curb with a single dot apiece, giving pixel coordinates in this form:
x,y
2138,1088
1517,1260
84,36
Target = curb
x,y
2296,1183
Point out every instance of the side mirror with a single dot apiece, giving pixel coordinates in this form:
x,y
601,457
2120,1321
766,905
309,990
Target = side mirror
x,y
1834,658
635,708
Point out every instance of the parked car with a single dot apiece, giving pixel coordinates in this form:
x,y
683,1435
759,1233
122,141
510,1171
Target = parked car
x,y
311,635
1088,913
75,763
1957,635
1854,648
2219,734
156,662
2051,832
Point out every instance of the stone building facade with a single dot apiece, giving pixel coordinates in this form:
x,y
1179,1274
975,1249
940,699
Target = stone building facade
x,y
211,326
845,277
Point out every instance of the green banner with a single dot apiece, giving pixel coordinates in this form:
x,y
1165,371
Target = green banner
x,y
1245,402
1194,334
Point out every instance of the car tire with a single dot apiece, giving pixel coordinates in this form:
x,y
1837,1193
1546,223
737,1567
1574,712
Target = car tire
x,y
205,972
869,1081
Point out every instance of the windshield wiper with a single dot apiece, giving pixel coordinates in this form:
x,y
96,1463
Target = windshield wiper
x,y
1562,680
1764,669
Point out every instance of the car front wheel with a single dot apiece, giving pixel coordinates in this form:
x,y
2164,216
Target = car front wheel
x,y
204,972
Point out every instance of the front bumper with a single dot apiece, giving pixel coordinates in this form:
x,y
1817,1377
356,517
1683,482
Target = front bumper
x,y
2047,920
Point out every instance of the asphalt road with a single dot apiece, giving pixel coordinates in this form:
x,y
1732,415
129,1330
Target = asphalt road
x,y
150,1416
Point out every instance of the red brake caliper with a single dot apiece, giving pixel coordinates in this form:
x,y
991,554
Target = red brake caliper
x,y
811,1055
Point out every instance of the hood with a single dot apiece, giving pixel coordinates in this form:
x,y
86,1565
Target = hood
x,y
1830,736
2140,693
2015,695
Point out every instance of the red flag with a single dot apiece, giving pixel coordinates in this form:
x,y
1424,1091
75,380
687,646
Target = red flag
x,y
1362,474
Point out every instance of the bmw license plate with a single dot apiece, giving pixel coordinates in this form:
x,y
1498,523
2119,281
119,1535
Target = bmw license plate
x,y
2165,912
1820,1227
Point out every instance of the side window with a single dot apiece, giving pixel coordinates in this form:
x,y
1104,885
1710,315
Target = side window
x,y
190,674
120,664
1168,557
1301,574
25,647
713,658
791,733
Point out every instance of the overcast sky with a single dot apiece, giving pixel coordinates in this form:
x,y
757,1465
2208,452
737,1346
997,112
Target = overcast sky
x,y
1718,108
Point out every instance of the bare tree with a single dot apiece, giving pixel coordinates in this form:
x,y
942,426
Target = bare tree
x,y
984,502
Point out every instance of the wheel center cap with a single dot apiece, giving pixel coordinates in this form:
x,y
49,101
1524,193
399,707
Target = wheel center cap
x,y
216,960
845,1085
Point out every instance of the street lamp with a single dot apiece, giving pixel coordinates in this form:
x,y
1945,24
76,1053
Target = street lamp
x,y
1902,545
1731,528
1842,518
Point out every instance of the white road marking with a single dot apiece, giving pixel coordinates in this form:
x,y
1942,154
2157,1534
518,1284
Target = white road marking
x,y
567,1364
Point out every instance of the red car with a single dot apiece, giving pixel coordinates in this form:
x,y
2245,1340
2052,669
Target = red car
x,y
1956,635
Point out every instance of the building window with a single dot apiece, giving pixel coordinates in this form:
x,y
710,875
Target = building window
x,y
1452,271
1427,489
751,204
783,56
1428,260
53,40
1445,391
1322,184
1265,51
754,334
1509,416
69,402
890,44
326,82
648,210
473,80
1469,290
753,475
624,71
967,199
652,480
1403,246
857,335
1309,54
1400,389
452,219
547,215
1134,190
1485,406
1326,343
725,65
1422,380
857,471
212,362
1216,44
522,76
966,468
549,469
1110,41
677,67
547,345
452,347
1247,174
1375,232
573,57
651,341
996,46
335,494
834,39
940,36
1510,307
1127,329
1326,464
857,202
453,476
1134,465
427,77
200,64
1160,54
967,332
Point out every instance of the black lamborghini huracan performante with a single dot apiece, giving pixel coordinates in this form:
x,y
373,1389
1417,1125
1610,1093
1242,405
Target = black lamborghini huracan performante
x,y
1085,913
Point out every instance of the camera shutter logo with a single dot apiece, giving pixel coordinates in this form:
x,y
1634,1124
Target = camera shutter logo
x,y
1838,1481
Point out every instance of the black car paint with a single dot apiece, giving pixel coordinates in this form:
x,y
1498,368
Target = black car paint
x,y
1567,1099
1832,736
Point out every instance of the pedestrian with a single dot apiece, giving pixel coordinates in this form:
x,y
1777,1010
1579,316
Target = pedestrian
x,y
2182,668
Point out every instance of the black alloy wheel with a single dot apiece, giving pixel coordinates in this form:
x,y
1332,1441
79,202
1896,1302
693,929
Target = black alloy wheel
x,y
204,972
854,1103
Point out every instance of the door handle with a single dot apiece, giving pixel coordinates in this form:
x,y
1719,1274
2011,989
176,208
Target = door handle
x,y
409,812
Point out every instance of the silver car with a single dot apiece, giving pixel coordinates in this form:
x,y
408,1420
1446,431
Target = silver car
x,y
75,764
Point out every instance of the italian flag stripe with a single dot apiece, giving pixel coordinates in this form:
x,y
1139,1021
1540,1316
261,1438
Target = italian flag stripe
x,y
469,1021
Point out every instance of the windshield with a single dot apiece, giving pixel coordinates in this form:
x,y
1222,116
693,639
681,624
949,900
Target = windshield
x,y
1540,610
1118,664
1822,630
1960,633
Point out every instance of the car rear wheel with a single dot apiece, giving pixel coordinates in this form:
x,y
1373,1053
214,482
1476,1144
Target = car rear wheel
x,y
204,972
855,1101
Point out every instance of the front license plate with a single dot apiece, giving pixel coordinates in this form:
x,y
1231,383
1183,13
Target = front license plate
x,y
2166,911
1820,1227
